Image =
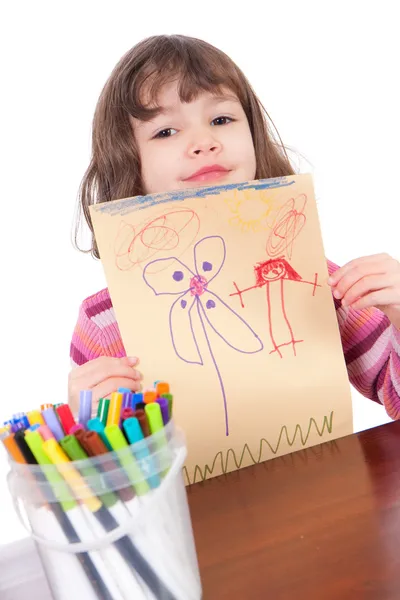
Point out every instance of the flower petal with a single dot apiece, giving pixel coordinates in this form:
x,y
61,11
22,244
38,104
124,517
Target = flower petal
x,y
167,276
182,332
229,325
209,256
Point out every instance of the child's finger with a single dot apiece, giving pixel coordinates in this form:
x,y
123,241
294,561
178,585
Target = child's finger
x,y
365,285
100,371
364,265
378,298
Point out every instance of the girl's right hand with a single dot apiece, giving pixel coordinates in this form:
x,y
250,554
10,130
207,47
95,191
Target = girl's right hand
x,y
103,376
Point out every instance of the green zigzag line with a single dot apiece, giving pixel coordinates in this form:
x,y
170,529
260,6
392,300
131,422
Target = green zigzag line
x,y
327,424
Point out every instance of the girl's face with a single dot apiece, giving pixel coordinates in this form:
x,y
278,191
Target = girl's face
x,y
189,145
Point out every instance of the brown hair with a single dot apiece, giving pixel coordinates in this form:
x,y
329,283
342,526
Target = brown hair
x,y
114,171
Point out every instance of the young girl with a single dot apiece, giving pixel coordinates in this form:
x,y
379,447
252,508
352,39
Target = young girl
x,y
178,113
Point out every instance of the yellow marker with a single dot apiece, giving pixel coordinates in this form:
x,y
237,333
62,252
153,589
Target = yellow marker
x,y
5,429
34,416
114,412
73,478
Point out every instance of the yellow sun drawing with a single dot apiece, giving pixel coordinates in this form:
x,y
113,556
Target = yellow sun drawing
x,y
251,210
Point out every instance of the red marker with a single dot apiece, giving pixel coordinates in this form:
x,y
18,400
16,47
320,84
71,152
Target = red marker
x,y
66,418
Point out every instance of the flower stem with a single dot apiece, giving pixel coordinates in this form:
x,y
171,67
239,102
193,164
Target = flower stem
x,y
221,383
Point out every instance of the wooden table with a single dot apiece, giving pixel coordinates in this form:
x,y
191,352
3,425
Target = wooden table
x,y
322,523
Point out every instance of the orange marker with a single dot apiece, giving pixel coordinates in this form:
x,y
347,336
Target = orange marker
x,y
162,387
149,396
11,446
44,406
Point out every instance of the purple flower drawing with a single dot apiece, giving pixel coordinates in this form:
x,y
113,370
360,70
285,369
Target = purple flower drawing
x,y
194,296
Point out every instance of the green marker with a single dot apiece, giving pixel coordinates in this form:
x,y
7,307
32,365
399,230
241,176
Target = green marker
x,y
119,443
102,410
169,397
156,425
74,451
57,482
154,417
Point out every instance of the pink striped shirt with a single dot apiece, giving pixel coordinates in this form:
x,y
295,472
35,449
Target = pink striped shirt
x,y
371,345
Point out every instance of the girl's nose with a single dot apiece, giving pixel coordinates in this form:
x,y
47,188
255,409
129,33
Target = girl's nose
x,y
204,144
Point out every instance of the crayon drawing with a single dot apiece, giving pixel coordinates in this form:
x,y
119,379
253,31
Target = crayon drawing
x,y
173,230
266,273
285,228
194,297
222,291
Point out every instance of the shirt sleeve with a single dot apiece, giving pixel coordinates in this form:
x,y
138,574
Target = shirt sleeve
x,y
371,346
86,343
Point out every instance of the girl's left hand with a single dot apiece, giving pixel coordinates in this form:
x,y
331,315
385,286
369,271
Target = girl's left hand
x,y
369,281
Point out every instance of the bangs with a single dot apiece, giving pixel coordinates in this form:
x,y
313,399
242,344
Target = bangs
x,y
196,67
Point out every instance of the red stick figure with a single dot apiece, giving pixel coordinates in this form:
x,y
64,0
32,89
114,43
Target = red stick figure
x,y
267,272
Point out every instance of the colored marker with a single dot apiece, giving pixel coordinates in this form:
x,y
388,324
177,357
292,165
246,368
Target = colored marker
x,y
149,396
102,410
154,416
85,406
118,443
123,390
93,445
127,400
66,418
45,432
44,406
75,428
17,426
34,427
163,402
12,448
162,387
114,413
169,397
134,434
53,423
34,416
19,438
144,424
126,413
137,398
96,425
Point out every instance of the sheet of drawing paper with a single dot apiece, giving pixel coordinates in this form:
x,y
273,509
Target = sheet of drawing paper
x,y
223,293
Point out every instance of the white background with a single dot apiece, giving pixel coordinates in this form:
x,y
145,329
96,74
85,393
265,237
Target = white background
x,y
327,74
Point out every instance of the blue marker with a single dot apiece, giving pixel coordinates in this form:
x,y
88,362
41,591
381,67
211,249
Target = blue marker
x,y
97,425
134,434
22,419
137,398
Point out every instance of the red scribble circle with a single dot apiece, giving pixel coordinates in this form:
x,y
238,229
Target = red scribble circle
x,y
135,246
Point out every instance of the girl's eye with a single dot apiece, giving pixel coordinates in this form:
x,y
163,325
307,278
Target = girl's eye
x,y
221,121
164,133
